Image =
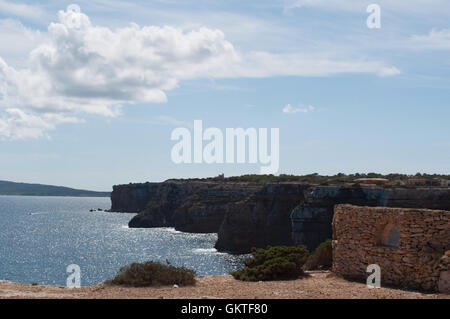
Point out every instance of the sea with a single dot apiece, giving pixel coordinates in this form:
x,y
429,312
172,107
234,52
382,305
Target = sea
x,y
41,236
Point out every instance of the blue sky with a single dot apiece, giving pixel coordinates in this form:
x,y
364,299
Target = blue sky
x,y
81,111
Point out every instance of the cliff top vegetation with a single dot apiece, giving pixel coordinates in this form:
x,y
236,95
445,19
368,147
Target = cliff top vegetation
x,y
340,178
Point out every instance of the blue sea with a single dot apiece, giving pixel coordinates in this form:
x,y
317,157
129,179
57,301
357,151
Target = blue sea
x,y
41,236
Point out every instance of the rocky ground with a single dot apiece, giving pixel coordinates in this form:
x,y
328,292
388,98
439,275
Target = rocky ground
x,y
317,285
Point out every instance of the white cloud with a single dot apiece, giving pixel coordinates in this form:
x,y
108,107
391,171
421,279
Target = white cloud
x,y
389,71
289,109
21,10
341,4
17,41
84,68
95,70
20,125
360,6
435,40
264,64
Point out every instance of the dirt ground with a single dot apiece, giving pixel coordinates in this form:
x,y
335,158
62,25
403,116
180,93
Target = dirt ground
x,y
317,285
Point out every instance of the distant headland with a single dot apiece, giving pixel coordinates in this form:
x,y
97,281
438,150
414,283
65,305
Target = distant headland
x,y
24,189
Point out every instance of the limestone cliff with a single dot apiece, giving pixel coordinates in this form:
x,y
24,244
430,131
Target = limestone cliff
x,y
260,220
132,198
247,215
311,220
197,207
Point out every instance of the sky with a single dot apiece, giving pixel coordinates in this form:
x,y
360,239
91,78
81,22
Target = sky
x,y
90,91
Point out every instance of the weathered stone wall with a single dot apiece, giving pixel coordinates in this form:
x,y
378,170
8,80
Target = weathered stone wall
x,y
412,246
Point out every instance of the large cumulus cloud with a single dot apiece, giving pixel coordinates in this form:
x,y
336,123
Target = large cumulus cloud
x,y
88,69
95,70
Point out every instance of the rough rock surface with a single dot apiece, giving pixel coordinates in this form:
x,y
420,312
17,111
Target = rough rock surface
x,y
197,207
311,220
261,220
247,215
132,198
418,257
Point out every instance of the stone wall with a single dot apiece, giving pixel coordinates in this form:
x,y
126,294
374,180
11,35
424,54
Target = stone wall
x,y
412,246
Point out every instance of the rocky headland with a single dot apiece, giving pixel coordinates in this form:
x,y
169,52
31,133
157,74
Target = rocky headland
x,y
249,214
197,207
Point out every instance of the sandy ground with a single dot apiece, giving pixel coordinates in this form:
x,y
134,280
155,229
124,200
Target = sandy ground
x,y
318,285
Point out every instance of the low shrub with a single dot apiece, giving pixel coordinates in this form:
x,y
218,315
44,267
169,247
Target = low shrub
x,y
321,258
273,263
152,273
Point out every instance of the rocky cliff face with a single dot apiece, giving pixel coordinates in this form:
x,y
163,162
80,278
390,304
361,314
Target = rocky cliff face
x,y
260,220
197,207
247,215
132,198
311,220
419,198
160,207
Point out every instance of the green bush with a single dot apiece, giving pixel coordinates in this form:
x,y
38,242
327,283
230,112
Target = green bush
x,y
153,273
321,258
273,263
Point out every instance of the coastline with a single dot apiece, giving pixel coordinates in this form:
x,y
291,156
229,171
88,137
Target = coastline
x,y
317,285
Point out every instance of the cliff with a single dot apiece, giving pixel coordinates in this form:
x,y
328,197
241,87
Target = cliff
x,y
260,220
311,220
247,215
197,207
132,198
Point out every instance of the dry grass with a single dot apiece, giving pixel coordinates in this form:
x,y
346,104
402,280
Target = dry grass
x,y
318,285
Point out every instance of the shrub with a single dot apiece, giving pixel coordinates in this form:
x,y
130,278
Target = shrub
x,y
273,263
321,258
153,273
